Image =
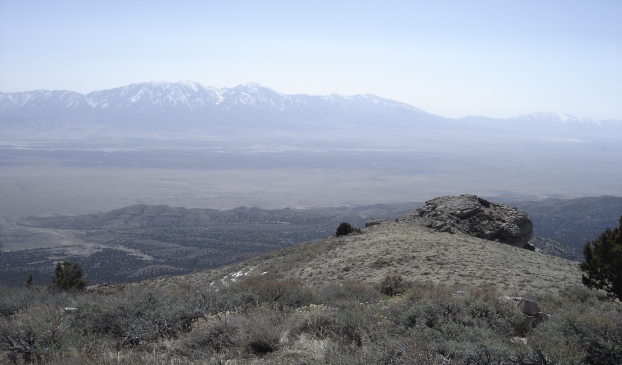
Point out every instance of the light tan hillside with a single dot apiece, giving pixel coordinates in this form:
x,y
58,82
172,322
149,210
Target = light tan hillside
x,y
417,253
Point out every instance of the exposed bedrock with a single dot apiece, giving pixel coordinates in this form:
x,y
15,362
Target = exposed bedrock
x,y
476,217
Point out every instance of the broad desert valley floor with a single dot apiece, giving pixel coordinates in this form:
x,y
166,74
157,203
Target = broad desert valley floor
x,y
75,179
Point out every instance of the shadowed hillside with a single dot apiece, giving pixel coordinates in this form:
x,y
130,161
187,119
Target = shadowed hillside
x,y
573,222
145,241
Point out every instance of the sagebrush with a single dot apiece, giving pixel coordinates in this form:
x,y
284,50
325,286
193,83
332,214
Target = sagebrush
x,y
269,319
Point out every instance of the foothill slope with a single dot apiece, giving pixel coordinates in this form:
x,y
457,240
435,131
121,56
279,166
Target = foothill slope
x,y
409,249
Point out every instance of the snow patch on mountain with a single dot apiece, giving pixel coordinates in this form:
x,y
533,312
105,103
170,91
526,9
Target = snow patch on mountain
x,y
566,119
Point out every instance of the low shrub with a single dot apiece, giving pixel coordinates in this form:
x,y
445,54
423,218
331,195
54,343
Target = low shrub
x,y
272,289
35,334
392,285
214,335
347,292
12,300
262,330
316,323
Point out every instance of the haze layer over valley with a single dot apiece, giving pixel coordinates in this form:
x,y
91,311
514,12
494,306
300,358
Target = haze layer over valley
x,y
183,144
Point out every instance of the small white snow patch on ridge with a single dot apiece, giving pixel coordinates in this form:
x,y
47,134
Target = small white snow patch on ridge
x,y
233,277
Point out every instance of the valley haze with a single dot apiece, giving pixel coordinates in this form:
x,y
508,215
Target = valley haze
x,y
184,144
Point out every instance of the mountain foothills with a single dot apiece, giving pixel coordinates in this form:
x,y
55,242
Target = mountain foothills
x,y
573,222
417,247
145,241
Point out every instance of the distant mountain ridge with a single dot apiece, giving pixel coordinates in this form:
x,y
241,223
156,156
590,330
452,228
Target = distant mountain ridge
x,y
187,106
184,106
564,119
142,216
188,94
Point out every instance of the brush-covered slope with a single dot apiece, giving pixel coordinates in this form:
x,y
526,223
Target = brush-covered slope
x,y
142,242
416,252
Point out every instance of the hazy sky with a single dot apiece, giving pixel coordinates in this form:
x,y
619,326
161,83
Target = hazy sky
x,y
451,58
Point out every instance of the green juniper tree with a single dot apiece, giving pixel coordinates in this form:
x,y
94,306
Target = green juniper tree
x,y
30,282
345,228
68,276
603,262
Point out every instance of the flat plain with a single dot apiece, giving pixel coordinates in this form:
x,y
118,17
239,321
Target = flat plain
x,y
74,179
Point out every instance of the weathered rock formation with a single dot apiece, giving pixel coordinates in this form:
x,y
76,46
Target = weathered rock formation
x,y
476,217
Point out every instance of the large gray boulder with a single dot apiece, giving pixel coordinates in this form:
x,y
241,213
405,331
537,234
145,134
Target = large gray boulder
x,y
476,217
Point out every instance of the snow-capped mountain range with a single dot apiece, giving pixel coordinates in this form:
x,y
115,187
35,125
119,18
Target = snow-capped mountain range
x,y
185,106
191,106
189,95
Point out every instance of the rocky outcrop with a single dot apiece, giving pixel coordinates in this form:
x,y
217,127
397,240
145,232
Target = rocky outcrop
x,y
476,217
530,309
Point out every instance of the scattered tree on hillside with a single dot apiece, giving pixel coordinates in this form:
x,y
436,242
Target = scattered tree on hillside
x,y
603,262
345,228
68,276
30,282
